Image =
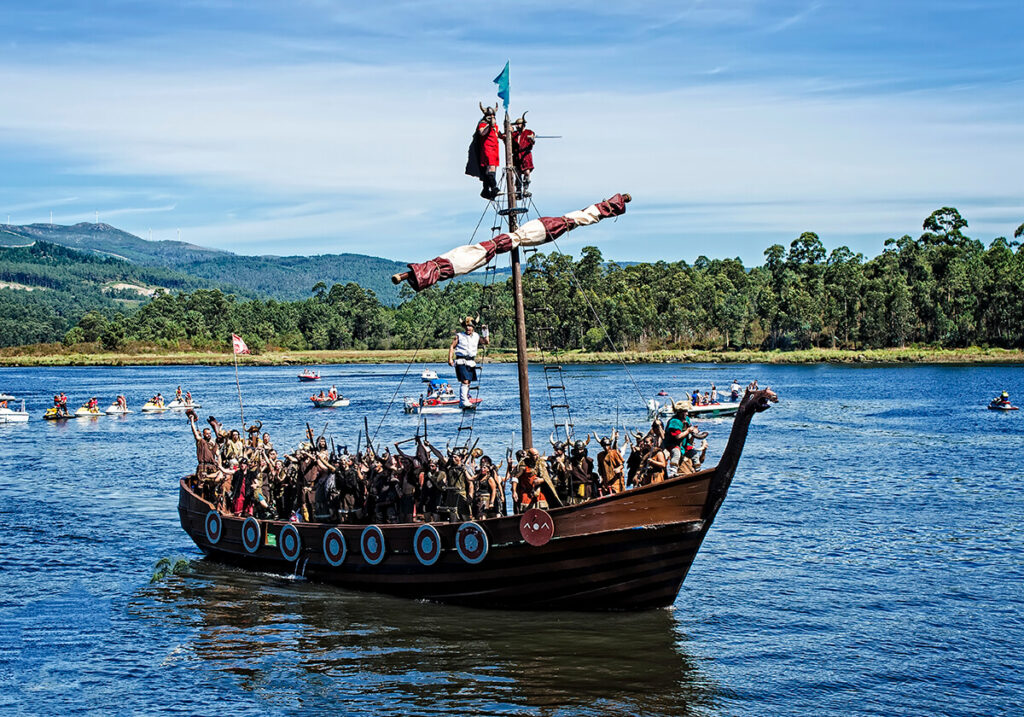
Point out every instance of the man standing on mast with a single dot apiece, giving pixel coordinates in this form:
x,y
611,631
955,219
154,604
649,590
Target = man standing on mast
x,y
462,355
522,154
483,152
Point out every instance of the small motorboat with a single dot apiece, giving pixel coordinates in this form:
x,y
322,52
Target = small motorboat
x,y
150,407
54,414
88,412
662,393
328,402
998,405
6,397
428,375
9,415
440,399
438,406
177,405
308,375
115,410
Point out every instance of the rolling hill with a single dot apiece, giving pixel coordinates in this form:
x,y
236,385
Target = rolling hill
x,y
280,277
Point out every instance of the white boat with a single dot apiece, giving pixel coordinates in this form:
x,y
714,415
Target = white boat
x,y
150,407
177,405
438,402
339,402
711,410
9,415
7,397
428,375
115,410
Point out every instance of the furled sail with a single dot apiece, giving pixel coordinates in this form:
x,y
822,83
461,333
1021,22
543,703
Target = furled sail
x,y
471,257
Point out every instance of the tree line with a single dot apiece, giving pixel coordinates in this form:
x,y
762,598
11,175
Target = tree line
x,y
942,289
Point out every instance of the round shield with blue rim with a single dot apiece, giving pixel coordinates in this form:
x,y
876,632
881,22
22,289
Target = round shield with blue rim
x,y
371,542
335,549
251,534
427,544
471,543
537,527
289,542
214,527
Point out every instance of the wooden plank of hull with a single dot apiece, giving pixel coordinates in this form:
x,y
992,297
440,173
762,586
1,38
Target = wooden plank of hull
x,y
629,551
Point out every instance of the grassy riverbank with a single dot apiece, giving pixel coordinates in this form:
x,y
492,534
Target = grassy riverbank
x,y
58,355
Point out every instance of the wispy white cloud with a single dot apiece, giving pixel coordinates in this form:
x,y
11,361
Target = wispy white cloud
x,y
344,127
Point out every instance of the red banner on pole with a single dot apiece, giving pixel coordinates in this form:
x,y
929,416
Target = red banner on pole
x,y
238,345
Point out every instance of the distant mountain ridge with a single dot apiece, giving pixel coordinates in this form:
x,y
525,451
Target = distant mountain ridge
x,y
280,277
107,240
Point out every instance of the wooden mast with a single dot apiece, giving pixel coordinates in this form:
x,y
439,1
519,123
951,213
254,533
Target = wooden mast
x,y
517,294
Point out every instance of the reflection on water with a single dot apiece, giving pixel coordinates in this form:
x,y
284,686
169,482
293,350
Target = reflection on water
x,y
290,640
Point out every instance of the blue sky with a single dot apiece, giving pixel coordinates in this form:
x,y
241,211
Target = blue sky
x,y
318,126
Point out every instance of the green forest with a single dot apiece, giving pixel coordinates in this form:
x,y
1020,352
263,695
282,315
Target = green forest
x,y
941,289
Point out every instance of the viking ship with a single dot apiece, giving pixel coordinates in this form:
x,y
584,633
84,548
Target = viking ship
x,y
628,551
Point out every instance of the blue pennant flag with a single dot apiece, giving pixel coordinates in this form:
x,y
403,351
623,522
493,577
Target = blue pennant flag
x,y
502,82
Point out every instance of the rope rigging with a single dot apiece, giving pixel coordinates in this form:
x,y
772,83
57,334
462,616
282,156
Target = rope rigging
x,y
593,311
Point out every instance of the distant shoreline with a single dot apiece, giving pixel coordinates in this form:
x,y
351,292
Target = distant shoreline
x,y
55,355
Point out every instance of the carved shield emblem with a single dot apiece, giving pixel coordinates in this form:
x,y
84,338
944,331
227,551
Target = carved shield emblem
x,y
537,527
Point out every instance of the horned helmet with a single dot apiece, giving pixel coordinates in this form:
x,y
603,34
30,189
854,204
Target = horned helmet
x,y
488,111
520,121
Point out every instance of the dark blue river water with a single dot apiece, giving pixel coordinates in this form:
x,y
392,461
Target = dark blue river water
x,y
868,560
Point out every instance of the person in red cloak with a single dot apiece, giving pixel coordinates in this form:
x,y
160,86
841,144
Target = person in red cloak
x,y
522,154
483,152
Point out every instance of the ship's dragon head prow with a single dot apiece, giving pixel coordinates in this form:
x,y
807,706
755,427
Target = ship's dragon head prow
x,y
759,400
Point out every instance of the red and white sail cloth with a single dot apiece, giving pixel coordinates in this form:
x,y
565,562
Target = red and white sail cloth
x,y
471,257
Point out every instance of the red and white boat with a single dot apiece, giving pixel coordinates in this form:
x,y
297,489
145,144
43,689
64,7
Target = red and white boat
x,y
308,374
440,399
329,401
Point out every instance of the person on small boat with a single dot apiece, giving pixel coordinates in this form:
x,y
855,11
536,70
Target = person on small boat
x,y
60,404
92,404
321,396
734,390
333,393
714,394
188,398
122,403
1002,399
462,355
483,159
177,394
610,465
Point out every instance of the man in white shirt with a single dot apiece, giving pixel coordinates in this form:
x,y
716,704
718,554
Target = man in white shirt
x,y
462,355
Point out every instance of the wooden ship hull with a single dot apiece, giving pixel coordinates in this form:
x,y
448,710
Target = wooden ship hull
x,y
626,552
629,551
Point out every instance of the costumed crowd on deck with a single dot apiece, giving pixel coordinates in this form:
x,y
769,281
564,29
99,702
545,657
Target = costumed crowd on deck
x,y
317,483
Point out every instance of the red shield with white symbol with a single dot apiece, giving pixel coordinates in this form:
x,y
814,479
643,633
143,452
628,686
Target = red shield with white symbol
x,y
537,527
